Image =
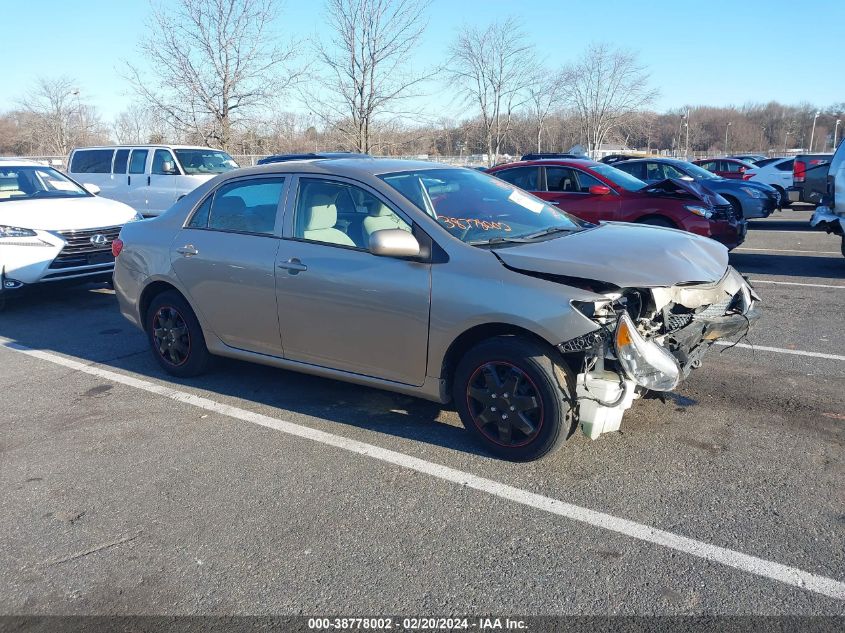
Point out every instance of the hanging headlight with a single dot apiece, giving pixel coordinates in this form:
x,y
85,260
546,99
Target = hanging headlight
x,y
645,362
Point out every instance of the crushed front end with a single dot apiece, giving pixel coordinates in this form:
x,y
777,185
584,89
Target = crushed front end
x,y
650,339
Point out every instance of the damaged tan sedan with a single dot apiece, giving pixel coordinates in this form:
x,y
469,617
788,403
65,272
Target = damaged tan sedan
x,y
440,282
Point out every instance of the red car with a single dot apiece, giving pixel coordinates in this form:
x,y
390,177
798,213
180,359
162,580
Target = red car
x,y
725,167
595,192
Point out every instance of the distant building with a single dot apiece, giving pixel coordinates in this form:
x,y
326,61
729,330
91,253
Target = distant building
x,y
605,149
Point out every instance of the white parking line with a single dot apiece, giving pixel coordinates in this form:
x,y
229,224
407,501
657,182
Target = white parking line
x,y
785,250
744,562
781,350
794,283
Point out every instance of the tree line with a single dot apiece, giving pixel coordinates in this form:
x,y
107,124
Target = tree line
x,y
220,73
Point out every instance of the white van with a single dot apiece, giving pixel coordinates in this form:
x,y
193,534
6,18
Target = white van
x,y
149,178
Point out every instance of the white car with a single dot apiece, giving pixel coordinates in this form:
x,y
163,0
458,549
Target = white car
x,y
52,228
775,172
149,178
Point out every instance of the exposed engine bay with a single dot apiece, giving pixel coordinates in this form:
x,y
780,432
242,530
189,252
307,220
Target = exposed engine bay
x,y
649,339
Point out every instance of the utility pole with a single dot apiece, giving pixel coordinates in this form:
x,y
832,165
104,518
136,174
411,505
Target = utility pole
x,y
836,133
727,127
813,133
686,123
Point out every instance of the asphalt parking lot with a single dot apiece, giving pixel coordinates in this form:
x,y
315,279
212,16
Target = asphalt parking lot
x,y
125,492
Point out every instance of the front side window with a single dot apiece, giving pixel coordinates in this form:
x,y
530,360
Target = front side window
x,y
163,163
200,162
247,206
92,161
699,173
522,177
561,179
654,171
338,213
138,161
479,209
30,183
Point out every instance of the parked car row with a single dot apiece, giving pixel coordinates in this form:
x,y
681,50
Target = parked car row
x,y
598,192
530,319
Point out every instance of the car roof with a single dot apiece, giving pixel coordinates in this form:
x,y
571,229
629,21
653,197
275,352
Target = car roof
x,y
19,162
145,146
567,162
352,167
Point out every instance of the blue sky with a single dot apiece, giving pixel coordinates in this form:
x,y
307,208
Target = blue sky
x,y
716,53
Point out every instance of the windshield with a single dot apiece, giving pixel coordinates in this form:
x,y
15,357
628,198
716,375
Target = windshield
x,y
27,183
619,177
479,209
699,173
198,162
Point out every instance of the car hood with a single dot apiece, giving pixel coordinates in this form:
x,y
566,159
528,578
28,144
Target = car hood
x,y
59,214
689,186
625,255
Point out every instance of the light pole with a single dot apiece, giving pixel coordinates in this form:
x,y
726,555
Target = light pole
x,y
813,133
762,132
686,124
727,127
836,133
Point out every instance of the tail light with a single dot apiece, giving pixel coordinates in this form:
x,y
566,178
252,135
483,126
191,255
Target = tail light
x,y
799,171
116,246
747,176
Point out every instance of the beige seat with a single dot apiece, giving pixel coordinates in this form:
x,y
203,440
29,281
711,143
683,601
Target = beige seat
x,y
319,220
381,217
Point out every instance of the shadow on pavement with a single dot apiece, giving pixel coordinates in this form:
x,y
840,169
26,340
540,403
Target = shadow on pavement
x,y
94,331
782,225
828,267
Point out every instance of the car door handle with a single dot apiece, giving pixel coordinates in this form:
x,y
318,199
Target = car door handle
x,y
293,266
188,250
556,203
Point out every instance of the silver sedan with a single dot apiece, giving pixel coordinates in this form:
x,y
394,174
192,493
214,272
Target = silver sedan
x,y
435,281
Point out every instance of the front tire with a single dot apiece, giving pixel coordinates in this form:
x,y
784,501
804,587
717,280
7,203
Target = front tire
x,y
508,397
175,335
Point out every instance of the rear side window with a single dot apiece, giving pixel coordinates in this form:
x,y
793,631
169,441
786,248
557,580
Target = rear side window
x,y
92,161
138,161
637,170
522,177
785,165
709,165
200,218
121,159
248,206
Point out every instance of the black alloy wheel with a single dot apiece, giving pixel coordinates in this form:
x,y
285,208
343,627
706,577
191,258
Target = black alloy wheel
x,y
171,336
175,336
505,404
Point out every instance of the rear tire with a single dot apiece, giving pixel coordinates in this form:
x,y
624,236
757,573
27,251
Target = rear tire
x,y
843,249
175,336
509,398
784,199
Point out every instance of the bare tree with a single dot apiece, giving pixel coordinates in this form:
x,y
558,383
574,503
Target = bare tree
x,y
58,119
492,69
543,98
214,64
607,88
364,65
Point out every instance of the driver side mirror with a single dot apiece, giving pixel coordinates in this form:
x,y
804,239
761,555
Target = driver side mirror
x,y
94,190
394,243
168,167
599,190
